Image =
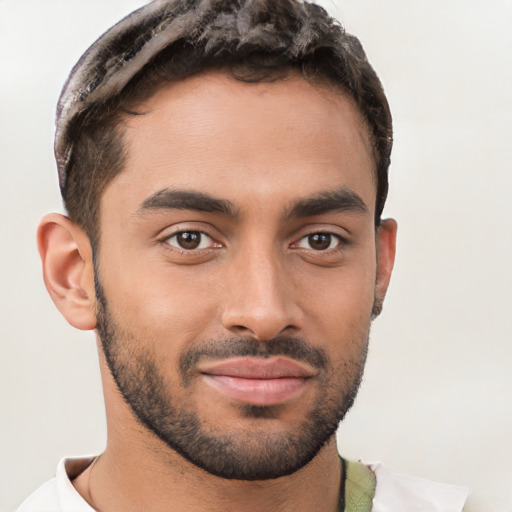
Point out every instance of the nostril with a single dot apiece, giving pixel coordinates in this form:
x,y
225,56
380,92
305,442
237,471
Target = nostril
x,y
240,328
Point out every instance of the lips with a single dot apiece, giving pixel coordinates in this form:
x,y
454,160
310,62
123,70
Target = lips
x,y
257,381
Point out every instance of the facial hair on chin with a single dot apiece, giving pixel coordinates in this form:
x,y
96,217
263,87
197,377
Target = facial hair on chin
x,y
239,455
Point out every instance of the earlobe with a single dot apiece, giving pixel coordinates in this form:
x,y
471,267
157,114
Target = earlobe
x,y
386,248
68,272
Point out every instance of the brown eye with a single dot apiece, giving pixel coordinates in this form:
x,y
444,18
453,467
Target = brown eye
x,y
319,241
190,240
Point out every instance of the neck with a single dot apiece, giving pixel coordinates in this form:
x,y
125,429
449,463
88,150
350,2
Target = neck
x,y
133,479
138,471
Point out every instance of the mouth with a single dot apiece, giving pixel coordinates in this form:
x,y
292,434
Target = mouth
x,y
258,381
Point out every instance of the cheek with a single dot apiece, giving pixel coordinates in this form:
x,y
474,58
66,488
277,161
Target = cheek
x,y
341,297
158,302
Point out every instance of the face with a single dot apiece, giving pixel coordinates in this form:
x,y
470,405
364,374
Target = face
x,y
237,270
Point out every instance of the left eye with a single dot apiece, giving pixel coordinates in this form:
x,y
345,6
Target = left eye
x,y
319,241
190,240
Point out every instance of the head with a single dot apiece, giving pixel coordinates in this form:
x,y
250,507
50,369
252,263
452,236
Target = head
x,y
224,165
253,41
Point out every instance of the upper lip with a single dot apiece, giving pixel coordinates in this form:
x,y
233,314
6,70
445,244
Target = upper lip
x,y
277,367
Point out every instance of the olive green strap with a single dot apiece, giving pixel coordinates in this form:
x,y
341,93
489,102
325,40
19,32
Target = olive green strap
x,y
360,483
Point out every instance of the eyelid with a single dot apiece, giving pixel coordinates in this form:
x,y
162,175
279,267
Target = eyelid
x,y
338,238
204,229
212,243
339,232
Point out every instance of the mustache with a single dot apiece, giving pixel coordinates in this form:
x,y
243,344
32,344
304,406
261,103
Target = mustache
x,y
288,346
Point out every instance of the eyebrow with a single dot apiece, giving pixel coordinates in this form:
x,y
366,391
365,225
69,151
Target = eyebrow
x,y
342,200
169,199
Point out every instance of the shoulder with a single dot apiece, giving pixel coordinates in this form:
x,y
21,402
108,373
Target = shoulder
x,y
58,494
45,499
406,493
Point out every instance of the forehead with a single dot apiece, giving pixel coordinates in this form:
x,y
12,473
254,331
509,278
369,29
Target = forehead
x,y
216,133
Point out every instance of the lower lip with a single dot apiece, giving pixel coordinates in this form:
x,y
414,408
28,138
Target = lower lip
x,y
257,391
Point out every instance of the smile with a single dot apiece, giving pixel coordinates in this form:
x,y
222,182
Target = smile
x,y
258,381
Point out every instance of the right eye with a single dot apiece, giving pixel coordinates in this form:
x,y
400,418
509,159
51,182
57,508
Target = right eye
x,y
191,240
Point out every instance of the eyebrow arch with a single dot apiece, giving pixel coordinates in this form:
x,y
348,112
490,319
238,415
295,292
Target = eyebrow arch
x,y
169,199
342,200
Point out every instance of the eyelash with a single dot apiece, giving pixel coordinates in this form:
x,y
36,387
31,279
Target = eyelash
x,y
213,244
340,242
333,237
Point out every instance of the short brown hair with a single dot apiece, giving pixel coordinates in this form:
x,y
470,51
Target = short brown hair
x,y
254,40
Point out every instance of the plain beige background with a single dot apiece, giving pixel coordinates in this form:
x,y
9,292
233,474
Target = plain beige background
x,y
437,396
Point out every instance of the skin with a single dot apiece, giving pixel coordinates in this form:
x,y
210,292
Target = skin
x,y
262,147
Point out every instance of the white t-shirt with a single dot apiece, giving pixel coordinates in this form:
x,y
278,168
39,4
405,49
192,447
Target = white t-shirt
x,y
394,492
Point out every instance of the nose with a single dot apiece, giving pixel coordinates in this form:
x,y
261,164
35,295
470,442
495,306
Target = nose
x,y
261,296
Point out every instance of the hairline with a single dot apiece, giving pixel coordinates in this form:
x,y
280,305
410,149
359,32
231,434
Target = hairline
x,y
122,113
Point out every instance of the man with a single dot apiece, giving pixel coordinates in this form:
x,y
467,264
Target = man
x,y
224,166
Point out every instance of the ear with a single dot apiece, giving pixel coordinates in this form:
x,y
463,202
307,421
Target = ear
x,y
386,248
68,272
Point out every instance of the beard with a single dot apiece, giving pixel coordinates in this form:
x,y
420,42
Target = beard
x,y
250,454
